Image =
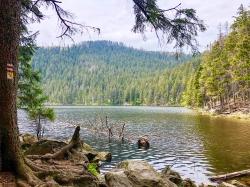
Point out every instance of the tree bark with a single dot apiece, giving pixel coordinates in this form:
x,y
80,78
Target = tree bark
x,y
11,156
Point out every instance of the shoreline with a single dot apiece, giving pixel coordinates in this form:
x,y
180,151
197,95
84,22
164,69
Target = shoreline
x,y
232,116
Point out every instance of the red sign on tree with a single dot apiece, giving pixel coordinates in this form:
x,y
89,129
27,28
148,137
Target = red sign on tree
x,y
10,71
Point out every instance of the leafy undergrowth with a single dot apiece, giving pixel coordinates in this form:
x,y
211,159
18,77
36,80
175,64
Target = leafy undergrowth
x,y
92,168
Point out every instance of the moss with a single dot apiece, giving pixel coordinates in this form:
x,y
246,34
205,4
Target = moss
x,y
43,147
25,146
87,147
92,168
123,164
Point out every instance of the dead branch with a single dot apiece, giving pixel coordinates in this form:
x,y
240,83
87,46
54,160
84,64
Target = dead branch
x,y
67,25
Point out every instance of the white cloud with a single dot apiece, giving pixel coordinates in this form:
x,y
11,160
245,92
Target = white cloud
x,y
116,19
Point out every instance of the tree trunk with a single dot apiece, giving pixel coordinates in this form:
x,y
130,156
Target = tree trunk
x,y
11,156
39,128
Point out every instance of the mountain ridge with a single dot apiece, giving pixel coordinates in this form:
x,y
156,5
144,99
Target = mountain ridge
x,y
104,73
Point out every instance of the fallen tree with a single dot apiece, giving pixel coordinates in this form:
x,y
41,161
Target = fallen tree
x,y
231,175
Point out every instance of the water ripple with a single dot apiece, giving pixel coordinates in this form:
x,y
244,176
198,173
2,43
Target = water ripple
x,y
193,145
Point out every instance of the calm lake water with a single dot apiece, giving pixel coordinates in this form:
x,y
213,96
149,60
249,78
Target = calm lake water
x,y
194,145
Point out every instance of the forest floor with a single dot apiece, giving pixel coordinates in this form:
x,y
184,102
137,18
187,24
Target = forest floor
x,y
7,179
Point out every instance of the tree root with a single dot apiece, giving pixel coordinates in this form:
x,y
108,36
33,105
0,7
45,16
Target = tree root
x,y
28,178
39,170
65,151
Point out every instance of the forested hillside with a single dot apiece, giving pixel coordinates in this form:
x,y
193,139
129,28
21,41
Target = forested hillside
x,y
222,82
108,73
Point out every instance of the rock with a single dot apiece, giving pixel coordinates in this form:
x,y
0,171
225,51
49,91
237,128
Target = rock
x,y
173,176
90,155
136,173
80,181
103,156
204,185
51,183
237,183
102,182
95,156
44,146
225,184
117,178
27,140
86,147
143,143
188,183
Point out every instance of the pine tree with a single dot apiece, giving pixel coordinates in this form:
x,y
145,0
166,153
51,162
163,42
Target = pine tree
x,y
30,92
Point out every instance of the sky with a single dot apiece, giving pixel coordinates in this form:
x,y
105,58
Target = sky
x,y
115,18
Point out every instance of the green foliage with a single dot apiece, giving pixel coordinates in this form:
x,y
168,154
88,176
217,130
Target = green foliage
x,y
30,93
182,27
108,73
42,112
93,169
223,78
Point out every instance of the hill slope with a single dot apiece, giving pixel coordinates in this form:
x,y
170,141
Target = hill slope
x,y
109,73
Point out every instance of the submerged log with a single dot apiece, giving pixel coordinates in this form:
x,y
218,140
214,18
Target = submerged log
x,y
231,175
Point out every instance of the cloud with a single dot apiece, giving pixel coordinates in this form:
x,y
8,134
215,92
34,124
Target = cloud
x,y
116,19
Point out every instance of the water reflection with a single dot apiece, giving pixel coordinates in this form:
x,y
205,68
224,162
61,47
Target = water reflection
x,y
226,143
196,146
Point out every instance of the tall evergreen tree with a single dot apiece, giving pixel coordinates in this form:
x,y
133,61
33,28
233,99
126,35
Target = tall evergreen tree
x,y
30,92
225,69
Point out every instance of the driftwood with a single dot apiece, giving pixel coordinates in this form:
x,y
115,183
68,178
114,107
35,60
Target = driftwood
x,y
230,175
102,127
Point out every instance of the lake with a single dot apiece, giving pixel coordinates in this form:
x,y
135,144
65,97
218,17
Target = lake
x,y
194,145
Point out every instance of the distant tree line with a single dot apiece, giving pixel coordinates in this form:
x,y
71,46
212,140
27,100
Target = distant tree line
x,y
108,73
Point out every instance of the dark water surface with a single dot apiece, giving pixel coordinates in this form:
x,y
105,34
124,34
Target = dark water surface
x,y
194,145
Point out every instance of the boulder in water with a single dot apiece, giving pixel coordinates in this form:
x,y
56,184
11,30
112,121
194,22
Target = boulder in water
x,y
103,156
143,142
136,173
